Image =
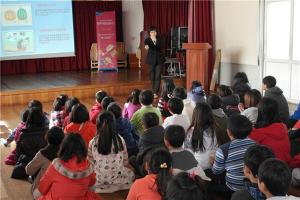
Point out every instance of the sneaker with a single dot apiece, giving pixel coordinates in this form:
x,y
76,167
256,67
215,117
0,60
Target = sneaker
x,y
155,96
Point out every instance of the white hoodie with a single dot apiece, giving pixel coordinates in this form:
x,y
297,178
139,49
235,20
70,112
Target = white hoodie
x,y
188,108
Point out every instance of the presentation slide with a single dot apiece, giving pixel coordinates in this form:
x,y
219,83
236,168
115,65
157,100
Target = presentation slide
x,y
36,29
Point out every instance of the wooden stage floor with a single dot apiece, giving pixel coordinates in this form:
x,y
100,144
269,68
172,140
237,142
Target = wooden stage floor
x,y
22,88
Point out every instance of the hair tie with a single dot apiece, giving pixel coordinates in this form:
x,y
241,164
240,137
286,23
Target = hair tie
x,y
105,120
60,97
164,165
192,176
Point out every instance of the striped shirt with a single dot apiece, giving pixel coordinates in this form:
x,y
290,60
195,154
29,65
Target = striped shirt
x,y
234,164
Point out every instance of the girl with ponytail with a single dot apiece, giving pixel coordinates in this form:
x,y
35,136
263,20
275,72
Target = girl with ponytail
x,y
152,186
108,152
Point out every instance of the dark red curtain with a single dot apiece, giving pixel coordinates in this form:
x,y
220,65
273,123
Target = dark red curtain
x,y
165,14
85,35
200,28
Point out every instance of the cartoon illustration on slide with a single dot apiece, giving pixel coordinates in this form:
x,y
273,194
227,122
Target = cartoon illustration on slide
x,y
16,15
15,42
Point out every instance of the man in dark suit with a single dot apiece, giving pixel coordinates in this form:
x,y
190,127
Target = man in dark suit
x,y
155,58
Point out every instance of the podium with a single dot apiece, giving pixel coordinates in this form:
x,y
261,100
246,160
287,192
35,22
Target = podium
x,y
197,63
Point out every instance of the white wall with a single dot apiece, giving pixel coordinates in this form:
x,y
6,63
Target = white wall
x,y
236,34
133,23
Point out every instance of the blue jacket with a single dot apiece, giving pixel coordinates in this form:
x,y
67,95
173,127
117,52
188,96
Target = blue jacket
x,y
296,115
127,131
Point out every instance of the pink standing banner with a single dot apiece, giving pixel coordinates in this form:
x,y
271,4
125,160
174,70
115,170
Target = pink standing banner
x,y
106,40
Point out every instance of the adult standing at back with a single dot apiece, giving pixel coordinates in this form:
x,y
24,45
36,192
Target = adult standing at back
x,y
155,58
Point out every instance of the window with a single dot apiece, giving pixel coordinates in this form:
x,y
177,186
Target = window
x,y
282,45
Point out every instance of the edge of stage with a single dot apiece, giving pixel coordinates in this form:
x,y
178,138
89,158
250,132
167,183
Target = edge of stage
x,y
46,86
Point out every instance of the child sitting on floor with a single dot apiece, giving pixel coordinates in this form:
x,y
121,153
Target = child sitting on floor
x,y
106,101
274,179
152,137
146,99
204,136
71,175
80,123
125,129
132,104
230,156
274,92
175,107
197,93
57,115
166,94
189,105
183,159
254,157
159,168
32,104
32,139
185,186
64,98
40,163
221,118
97,108
10,160
108,152
69,105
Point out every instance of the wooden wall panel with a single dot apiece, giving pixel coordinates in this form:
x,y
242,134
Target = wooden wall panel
x,y
81,92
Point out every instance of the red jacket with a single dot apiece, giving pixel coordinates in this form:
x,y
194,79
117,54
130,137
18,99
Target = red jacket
x,y
295,163
276,137
97,108
88,131
68,180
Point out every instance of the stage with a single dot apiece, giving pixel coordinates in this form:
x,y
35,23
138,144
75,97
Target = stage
x,y
22,88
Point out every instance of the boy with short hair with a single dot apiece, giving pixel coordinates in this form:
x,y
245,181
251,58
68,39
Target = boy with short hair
x,y
152,137
146,99
189,104
230,156
183,159
274,179
175,107
254,157
274,92
215,102
97,108
106,101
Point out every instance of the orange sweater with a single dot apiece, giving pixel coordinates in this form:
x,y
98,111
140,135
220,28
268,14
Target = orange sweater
x,y
143,189
88,131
